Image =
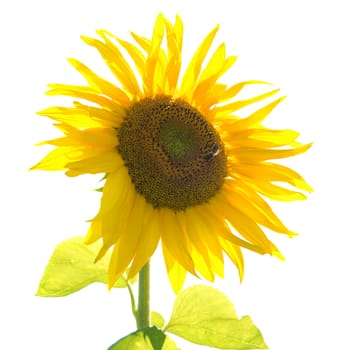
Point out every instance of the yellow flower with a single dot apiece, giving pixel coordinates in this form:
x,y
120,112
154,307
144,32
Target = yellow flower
x,y
181,166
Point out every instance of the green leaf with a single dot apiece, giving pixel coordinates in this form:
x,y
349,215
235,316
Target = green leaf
x,y
150,338
157,319
169,344
205,316
135,341
71,268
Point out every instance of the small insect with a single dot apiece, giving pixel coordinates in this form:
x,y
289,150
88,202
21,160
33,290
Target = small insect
x,y
213,153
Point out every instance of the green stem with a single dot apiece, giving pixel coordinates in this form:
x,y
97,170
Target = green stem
x,y
144,296
132,299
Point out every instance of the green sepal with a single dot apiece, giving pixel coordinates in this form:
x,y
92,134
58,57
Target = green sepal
x,y
71,268
150,338
205,316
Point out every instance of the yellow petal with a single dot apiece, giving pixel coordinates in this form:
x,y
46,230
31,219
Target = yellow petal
x,y
94,233
137,56
56,159
175,239
130,237
206,242
255,118
265,171
112,276
154,70
99,84
232,91
176,272
249,154
199,251
114,190
253,206
148,241
244,225
116,63
261,138
276,192
201,263
235,254
174,42
144,43
75,117
192,72
178,29
105,117
217,223
209,236
235,106
85,93
97,138
114,213
216,67
107,162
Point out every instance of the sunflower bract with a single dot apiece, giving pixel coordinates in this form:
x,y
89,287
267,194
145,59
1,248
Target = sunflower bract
x,y
181,166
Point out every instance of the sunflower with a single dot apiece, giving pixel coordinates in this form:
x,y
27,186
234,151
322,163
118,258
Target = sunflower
x,y
180,166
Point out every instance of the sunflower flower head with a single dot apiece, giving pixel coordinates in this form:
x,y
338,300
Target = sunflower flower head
x,y
181,167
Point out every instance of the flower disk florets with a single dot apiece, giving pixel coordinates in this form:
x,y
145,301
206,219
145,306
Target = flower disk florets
x,y
175,158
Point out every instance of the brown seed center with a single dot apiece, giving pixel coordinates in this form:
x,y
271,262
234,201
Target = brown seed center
x,y
174,156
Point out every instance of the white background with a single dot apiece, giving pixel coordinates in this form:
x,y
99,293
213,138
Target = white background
x,y
300,46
